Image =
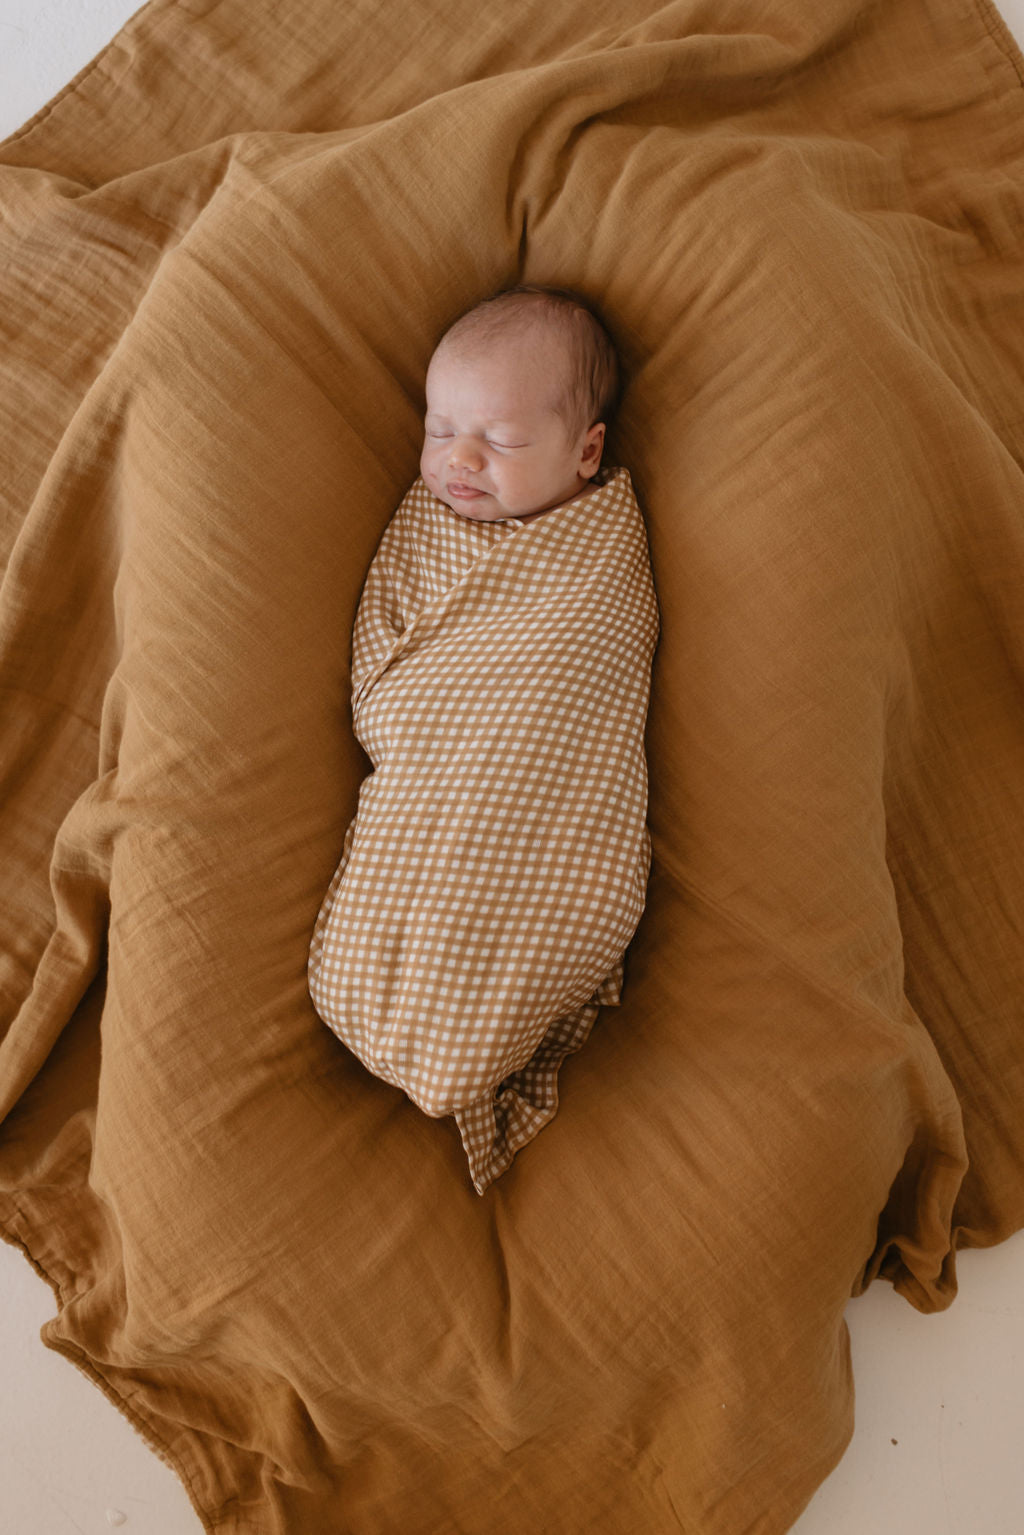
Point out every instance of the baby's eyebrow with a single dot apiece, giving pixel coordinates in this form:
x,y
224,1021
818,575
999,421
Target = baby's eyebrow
x,y
435,415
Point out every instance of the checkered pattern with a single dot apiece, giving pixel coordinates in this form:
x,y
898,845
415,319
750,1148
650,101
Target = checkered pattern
x,y
497,865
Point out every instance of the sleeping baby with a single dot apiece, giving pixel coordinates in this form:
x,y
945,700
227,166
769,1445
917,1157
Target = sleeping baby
x,y
496,867
510,406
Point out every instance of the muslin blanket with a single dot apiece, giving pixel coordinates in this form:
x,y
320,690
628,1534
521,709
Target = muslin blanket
x,y
226,254
497,866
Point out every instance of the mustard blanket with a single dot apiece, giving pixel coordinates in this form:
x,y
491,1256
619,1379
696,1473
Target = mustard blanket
x,y
497,866
227,251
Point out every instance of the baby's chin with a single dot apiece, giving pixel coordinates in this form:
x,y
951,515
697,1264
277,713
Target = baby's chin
x,y
479,510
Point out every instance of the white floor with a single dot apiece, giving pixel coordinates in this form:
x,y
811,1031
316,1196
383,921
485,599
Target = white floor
x,y
939,1444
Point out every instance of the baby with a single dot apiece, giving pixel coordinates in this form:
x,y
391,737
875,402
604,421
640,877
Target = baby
x,y
519,391
497,864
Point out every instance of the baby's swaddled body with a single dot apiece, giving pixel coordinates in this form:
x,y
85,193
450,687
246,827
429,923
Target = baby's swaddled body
x,y
496,867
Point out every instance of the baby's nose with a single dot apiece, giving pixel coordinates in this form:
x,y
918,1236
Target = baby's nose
x,y
464,455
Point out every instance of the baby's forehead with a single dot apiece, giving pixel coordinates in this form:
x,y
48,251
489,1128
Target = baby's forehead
x,y
516,345
514,367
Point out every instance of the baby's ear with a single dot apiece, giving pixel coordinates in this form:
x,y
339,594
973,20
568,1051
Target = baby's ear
x,y
593,446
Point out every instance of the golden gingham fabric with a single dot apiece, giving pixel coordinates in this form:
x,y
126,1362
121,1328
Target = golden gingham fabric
x,y
497,865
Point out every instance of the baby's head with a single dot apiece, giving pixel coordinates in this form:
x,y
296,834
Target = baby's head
x,y
519,392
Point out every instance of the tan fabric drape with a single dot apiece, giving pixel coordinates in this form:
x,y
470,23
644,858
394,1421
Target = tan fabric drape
x,y
226,253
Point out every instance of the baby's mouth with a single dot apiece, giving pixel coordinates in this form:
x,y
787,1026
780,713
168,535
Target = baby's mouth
x,y
463,492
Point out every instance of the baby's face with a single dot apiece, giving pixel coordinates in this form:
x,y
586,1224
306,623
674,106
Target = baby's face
x,y
494,446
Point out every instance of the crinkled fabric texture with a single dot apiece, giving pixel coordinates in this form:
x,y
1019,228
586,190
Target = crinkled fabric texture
x,y
226,253
497,865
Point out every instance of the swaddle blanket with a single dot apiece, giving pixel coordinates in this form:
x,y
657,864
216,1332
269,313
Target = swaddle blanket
x,y
497,865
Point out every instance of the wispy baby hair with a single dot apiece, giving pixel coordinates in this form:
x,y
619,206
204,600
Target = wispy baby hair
x,y
592,391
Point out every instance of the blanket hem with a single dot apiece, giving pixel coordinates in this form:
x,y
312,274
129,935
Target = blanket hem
x,y
76,80
1001,35
76,1356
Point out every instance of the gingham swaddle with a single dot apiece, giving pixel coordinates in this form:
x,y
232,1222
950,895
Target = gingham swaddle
x,y
497,865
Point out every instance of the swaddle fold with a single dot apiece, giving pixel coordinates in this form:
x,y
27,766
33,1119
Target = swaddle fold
x,y
497,864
